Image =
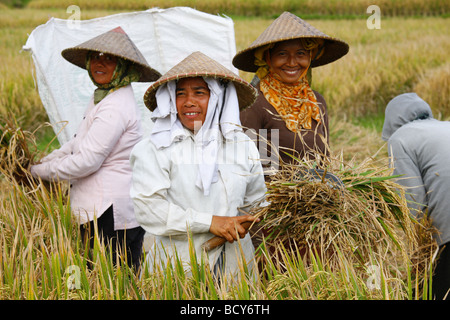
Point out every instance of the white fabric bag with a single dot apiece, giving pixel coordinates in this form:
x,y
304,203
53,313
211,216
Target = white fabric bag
x,y
164,36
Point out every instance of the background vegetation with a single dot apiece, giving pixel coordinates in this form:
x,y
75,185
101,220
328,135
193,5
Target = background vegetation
x,y
268,8
38,240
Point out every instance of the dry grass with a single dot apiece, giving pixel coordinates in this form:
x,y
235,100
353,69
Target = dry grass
x,y
264,7
16,151
430,82
355,142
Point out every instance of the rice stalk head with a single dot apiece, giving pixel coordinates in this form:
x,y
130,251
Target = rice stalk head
x,y
17,151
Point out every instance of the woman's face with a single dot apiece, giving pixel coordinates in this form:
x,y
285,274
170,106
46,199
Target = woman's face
x,y
192,97
289,60
102,67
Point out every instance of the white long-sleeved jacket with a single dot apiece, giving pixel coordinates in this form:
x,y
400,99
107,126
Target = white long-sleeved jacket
x,y
96,160
169,205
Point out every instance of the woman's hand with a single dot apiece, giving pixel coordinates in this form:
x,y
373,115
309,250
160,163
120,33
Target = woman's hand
x,y
230,228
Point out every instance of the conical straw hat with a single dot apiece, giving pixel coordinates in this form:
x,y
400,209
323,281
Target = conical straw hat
x,y
198,64
286,27
115,42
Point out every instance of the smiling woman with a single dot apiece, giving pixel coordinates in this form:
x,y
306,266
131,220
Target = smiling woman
x,y
287,108
96,160
282,57
191,184
290,60
102,67
192,96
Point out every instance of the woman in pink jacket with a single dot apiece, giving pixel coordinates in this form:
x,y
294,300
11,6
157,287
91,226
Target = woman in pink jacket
x,y
96,160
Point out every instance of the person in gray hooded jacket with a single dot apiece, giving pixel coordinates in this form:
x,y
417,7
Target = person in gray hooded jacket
x,y
419,149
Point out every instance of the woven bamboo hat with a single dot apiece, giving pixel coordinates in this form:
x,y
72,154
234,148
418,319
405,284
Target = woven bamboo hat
x,y
287,27
198,64
115,42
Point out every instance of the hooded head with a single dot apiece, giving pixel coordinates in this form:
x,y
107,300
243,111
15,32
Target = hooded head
x,y
404,109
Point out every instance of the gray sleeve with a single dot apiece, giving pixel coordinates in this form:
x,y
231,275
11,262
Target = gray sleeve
x,y
405,164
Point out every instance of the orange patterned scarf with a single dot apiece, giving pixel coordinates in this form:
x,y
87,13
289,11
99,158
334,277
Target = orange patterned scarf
x,y
297,104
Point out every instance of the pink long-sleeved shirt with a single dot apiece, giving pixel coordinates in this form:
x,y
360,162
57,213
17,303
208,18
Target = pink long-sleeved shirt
x,y
96,160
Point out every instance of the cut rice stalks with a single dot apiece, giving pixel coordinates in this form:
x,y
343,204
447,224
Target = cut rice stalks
x,y
17,151
364,217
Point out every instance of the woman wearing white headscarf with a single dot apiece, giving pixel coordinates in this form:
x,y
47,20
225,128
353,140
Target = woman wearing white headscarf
x,y
197,168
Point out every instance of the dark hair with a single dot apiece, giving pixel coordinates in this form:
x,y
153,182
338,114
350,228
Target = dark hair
x,y
423,115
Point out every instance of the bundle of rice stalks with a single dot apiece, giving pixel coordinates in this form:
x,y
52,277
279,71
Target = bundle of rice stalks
x,y
361,213
17,151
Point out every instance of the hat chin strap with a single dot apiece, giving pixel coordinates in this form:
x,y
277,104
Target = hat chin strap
x,y
318,54
225,85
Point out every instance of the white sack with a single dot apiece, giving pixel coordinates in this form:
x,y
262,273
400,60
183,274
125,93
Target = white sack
x,y
165,37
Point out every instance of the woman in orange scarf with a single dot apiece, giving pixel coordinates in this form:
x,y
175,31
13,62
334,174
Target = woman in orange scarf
x,y
288,113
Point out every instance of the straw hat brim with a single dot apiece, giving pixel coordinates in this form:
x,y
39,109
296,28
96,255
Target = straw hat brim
x,y
333,50
115,43
199,65
289,27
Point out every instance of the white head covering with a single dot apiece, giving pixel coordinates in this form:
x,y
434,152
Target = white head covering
x,y
222,120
